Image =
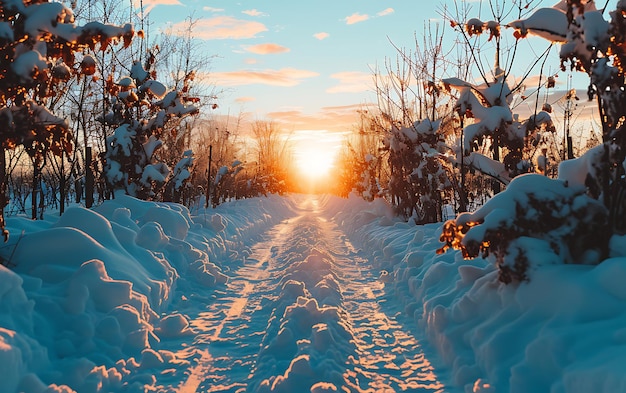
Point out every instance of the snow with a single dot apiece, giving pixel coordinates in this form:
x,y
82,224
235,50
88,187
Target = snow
x,y
54,18
579,39
155,87
126,82
596,28
88,296
488,166
223,171
554,333
28,64
122,138
151,145
42,115
138,73
548,23
310,293
181,170
138,296
6,33
484,102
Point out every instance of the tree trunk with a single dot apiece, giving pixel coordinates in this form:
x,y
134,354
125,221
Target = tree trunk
x,y
208,182
62,193
3,194
496,186
42,203
463,191
35,191
89,179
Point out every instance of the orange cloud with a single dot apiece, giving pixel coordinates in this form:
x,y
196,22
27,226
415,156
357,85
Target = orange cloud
x,y
337,119
386,12
223,27
254,12
320,36
351,82
267,49
243,100
283,77
356,18
250,61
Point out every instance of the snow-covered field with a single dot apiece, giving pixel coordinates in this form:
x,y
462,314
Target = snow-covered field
x,y
290,294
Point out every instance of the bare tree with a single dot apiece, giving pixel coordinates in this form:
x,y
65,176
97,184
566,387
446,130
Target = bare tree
x,y
216,143
274,156
362,163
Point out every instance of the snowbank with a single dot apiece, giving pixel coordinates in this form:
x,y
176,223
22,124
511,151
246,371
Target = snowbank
x,y
561,332
89,302
86,301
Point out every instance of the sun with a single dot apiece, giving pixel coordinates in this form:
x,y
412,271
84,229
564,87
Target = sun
x,y
314,157
314,162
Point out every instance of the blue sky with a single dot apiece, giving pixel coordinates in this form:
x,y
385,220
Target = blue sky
x,y
305,63
308,65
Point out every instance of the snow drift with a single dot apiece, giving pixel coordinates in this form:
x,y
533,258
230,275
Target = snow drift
x,y
84,305
563,331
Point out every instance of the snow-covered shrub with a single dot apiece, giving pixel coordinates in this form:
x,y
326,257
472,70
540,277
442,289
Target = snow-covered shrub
x,y
142,109
593,45
419,169
573,219
38,43
179,179
536,221
489,118
224,184
367,185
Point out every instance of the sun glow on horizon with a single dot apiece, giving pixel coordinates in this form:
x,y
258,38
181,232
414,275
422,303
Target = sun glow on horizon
x,y
314,162
315,153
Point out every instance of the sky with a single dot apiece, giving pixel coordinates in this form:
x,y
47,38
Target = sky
x,y
305,63
308,66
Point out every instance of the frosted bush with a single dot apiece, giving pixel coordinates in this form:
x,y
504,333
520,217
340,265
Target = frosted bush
x,y
536,221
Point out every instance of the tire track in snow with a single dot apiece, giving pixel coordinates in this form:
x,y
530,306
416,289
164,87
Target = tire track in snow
x,y
305,313
335,332
390,358
229,331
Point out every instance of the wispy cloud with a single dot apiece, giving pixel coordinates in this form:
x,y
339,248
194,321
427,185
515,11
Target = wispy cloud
x,y
250,60
351,82
243,100
386,12
356,18
254,12
223,27
336,119
148,5
267,49
212,9
284,77
321,35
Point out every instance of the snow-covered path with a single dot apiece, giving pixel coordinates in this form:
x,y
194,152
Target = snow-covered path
x,y
285,294
304,311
